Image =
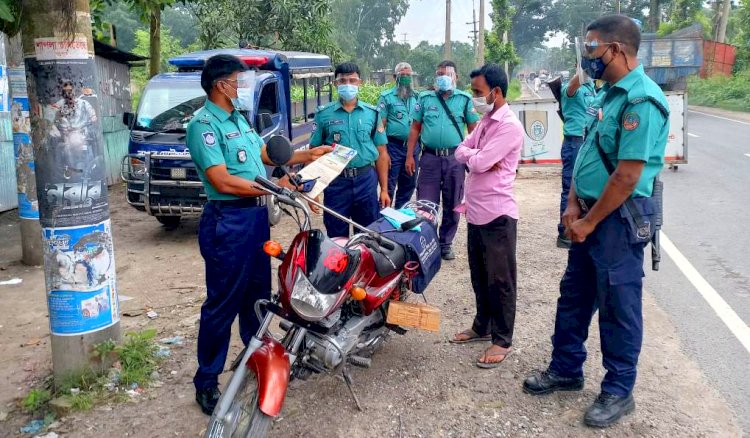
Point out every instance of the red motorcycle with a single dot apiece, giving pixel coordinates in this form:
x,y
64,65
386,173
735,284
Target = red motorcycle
x,y
333,305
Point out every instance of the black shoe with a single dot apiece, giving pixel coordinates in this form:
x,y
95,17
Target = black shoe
x,y
547,382
563,242
607,409
447,253
207,399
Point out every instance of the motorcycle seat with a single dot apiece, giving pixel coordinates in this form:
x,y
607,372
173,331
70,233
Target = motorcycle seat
x,y
383,257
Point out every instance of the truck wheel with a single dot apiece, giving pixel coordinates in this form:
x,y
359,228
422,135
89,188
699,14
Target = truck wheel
x,y
169,222
274,211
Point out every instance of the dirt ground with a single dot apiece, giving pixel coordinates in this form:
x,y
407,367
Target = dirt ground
x,y
419,384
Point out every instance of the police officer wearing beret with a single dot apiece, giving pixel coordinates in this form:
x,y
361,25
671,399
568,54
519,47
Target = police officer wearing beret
x,y
397,108
609,219
441,120
356,125
228,155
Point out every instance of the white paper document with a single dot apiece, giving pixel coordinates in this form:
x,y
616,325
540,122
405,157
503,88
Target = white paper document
x,y
326,168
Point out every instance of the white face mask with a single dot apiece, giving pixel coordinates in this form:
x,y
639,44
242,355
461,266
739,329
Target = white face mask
x,y
481,105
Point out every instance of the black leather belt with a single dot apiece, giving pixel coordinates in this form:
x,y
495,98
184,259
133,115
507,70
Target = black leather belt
x,y
351,172
447,152
395,140
259,201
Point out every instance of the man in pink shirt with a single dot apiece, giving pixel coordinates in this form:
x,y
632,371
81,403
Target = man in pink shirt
x,y
491,155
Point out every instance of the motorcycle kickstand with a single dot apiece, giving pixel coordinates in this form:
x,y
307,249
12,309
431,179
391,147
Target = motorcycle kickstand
x,y
346,374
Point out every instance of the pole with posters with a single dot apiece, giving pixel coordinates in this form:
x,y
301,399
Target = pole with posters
x,y
66,132
28,206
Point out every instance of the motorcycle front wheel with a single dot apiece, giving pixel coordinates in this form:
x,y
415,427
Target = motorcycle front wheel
x,y
244,418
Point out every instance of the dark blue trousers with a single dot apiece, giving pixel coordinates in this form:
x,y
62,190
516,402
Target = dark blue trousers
x,y
400,182
604,273
442,177
355,198
238,273
568,153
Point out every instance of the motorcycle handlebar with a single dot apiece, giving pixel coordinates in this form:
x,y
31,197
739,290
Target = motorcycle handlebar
x,y
268,185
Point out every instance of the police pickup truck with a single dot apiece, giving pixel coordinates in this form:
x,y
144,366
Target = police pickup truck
x,y
161,178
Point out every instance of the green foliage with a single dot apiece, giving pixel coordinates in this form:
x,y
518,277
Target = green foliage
x,y
82,401
496,50
742,37
364,27
86,380
35,400
138,357
731,93
10,17
514,90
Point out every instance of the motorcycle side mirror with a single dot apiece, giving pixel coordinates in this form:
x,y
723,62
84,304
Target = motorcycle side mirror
x,y
279,150
263,121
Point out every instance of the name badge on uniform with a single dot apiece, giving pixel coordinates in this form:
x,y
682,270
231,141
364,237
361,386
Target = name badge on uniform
x,y
235,134
335,122
337,137
432,108
241,156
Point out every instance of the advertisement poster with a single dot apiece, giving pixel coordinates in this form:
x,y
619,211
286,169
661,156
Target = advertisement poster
x,y
28,205
80,279
69,135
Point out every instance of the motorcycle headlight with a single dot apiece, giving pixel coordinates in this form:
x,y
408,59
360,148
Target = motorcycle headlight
x,y
308,302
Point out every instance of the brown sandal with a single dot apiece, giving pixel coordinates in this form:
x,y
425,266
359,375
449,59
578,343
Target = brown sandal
x,y
471,336
489,365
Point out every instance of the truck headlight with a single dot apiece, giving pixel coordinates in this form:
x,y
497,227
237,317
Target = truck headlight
x,y
137,168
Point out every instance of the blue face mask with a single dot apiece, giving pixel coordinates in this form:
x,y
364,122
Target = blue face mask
x,y
594,67
348,92
244,100
444,83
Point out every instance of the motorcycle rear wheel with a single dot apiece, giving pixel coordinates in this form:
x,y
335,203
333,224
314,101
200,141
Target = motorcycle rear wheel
x,y
244,419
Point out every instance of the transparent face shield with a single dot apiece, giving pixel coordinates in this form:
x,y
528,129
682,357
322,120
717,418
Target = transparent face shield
x,y
445,78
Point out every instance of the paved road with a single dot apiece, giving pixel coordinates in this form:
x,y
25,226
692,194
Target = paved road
x,y
707,215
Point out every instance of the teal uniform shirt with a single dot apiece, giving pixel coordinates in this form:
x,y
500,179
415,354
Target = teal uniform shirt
x,y
216,137
575,109
361,130
631,125
438,132
397,112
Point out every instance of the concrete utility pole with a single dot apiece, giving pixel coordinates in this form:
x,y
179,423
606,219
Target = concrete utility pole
x,y
617,6
66,132
473,33
505,41
480,45
28,209
447,47
727,7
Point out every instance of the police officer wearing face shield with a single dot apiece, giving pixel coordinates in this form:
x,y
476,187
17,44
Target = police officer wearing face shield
x,y
228,155
441,120
356,125
609,219
397,108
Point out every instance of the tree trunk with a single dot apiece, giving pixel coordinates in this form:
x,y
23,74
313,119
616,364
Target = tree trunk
x,y
66,134
722,35
154,50
654,15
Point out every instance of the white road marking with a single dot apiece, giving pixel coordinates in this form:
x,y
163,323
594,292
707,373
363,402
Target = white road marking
x,y
747,155
727,315
693,135
718,117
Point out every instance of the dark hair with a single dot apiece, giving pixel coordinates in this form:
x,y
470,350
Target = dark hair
x,y
219,67
494,75
618,28
447,63
346,69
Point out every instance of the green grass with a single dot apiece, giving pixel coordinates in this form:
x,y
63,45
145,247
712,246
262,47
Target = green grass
x,y
514,90
138,357
730,93
36,400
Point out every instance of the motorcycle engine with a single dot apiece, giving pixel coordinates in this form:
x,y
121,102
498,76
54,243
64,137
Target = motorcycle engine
x,y
328,351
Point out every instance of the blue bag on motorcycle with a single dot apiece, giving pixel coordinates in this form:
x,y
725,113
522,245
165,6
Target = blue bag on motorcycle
x,y
421,246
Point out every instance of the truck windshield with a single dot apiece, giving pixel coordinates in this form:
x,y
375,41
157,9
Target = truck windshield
x,y
169,106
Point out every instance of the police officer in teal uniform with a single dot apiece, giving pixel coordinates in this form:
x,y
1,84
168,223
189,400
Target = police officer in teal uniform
x,y
356,125
228,155
397,108
576,100
609,219
441,132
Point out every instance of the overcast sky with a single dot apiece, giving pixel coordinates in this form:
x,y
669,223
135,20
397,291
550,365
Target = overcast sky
x,y
425,20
